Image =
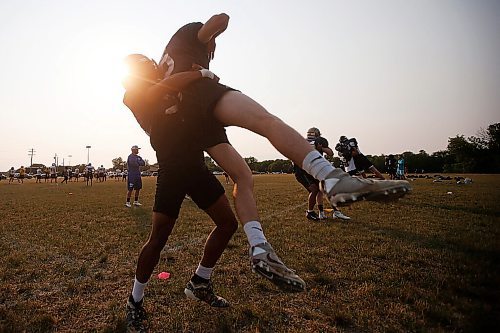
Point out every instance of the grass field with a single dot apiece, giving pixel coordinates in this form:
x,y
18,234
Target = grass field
x,y
430,262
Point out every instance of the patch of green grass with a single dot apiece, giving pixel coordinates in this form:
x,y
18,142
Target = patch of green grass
x,y
429,262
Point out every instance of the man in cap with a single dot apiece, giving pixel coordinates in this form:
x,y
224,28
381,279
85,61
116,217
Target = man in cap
x,y
134,181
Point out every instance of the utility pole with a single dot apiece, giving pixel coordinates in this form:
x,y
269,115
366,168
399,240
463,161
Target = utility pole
x,y
31,153
88,153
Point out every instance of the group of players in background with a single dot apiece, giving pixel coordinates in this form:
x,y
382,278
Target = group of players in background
x,y
352,161
52,174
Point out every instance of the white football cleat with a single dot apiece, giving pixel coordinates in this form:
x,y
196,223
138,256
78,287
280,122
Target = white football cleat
x,y
338,214
341,189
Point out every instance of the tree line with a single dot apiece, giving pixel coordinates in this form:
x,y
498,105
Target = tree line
x,y
474,154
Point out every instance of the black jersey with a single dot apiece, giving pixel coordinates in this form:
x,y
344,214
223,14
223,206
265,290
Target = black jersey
x,y
183,50
173,137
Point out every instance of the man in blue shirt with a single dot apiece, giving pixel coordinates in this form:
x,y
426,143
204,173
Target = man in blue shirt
x,y
134,181
400,171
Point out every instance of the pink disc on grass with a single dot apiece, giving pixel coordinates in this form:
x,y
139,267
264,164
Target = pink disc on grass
x,y
163,275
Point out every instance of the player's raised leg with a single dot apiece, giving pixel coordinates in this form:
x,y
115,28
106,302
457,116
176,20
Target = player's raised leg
x,y
237,109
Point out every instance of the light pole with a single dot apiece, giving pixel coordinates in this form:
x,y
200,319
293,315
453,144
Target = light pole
x,y
69,159
88,153
31,153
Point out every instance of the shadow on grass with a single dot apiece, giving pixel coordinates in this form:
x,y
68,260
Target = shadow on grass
x,y
473,275
143,217
468,210
492,256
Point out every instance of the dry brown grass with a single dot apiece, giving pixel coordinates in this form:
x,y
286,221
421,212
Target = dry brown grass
x,y
429,262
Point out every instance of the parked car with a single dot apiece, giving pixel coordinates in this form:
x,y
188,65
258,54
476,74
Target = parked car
x,y
145,173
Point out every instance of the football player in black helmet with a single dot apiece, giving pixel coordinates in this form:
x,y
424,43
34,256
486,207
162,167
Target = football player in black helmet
x,y
311,184
356,163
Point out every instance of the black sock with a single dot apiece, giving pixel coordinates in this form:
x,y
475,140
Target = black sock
x,y
198,279
136,198
128,199
320,208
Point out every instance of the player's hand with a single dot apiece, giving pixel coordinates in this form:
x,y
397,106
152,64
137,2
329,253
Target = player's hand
x,y
196,67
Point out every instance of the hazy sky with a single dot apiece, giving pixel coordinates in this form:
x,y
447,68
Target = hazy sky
x,y
397,75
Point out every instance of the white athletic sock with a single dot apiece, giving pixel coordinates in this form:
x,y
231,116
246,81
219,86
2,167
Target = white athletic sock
x,y
204,272
254,233
138,290
316,165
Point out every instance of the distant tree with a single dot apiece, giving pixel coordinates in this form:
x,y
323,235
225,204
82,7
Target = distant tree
x,y
284,166
80,167
463,153
262,166
252,163
493,138
117,163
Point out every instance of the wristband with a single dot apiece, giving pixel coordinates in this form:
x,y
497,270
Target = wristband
x,y
206,73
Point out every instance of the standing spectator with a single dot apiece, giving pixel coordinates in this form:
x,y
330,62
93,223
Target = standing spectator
x,y
118,174
400,172
391,165
22,174
226,177
38,175
89,173
53,172
134,181
76,173
311,184
46,174
100,173
65,175
12,173
124,175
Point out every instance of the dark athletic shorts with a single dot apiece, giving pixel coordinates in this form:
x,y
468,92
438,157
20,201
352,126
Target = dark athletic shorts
x,y
134,183
198,103
305,179
361,163
173,184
